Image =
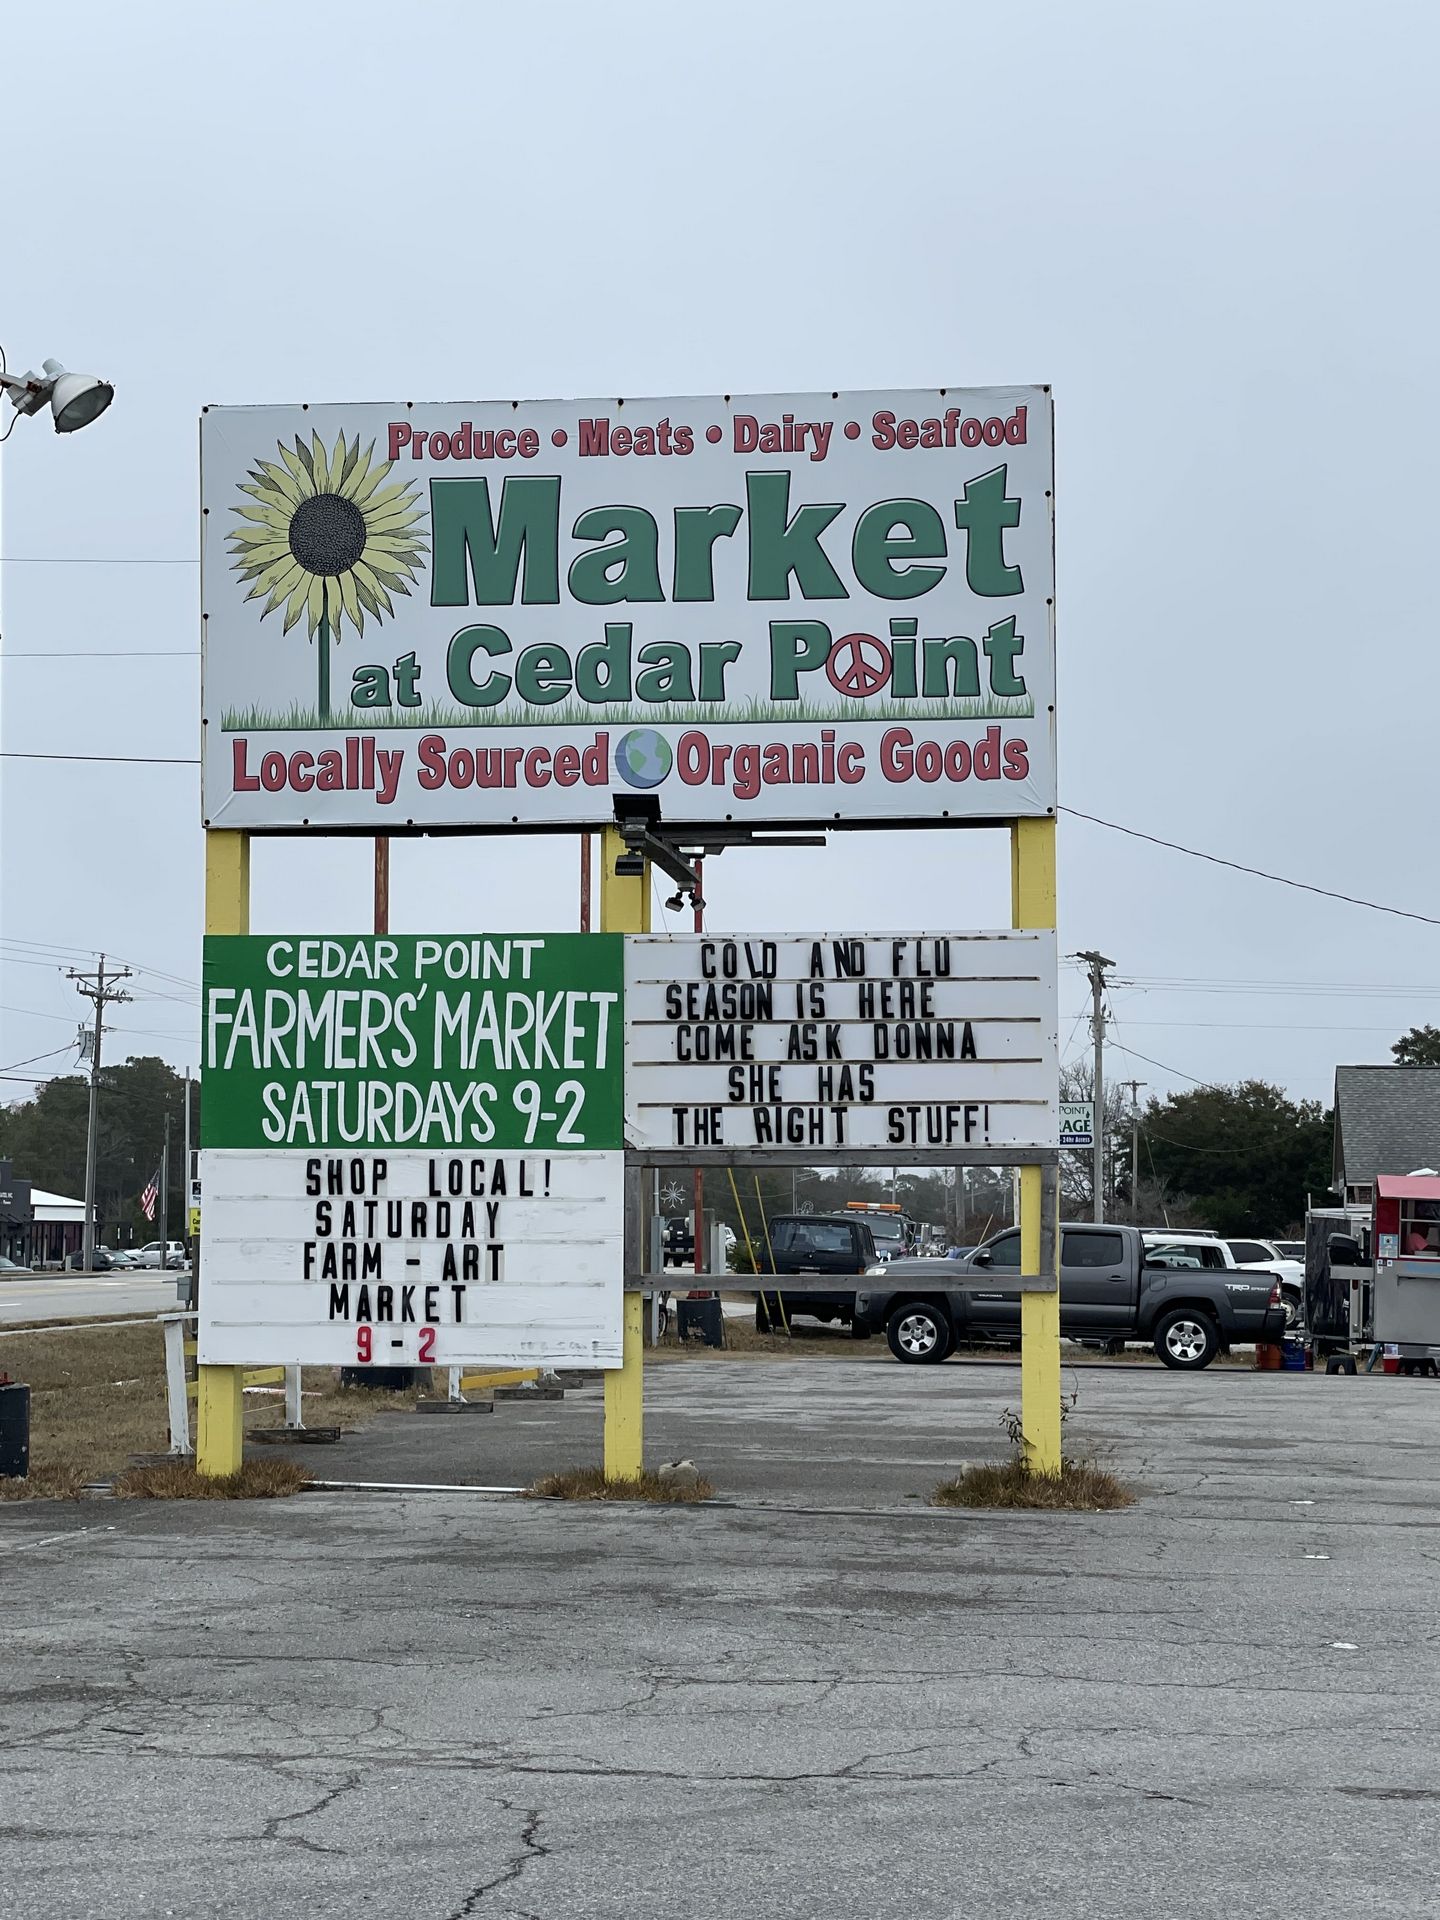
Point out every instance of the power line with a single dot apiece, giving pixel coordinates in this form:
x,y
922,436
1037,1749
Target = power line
x,y
1135,1055
47,946
1115,1024
145,1033
86,953
1188,1146
109,759
1262,1026
103,653
1258,873
23,960
69,1048
1316,989
158,973
1074,1030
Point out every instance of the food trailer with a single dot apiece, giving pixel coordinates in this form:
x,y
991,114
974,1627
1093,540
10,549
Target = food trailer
x,y
1372,1279
1405,1243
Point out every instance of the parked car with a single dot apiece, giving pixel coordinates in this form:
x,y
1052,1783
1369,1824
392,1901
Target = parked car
x,y
150,1255
1244,1256
1267,1256
11,1266
124,1257
678,1243
101,1261
816,1243
1110,1289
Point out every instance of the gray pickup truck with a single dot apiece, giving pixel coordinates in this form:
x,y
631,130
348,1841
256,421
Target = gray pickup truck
x,y
1109,1292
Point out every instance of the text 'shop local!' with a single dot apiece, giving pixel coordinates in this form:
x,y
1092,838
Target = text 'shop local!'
x,y
816,607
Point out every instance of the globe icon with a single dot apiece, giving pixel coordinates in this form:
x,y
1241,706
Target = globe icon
x,y
643,757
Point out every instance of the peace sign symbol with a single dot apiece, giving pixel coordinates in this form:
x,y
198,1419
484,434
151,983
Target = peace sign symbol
x,y
859,664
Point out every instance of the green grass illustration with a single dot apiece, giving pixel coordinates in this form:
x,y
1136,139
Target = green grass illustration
x,y
577,713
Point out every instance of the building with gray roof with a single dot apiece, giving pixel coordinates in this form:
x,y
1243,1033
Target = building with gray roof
x,y
1387,1120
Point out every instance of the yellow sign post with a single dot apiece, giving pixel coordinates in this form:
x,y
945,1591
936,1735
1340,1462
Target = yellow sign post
x,y
220,1427
625,908
1032,904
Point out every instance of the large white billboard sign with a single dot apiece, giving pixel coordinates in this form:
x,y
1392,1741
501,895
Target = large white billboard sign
x,y
820,607
896,1042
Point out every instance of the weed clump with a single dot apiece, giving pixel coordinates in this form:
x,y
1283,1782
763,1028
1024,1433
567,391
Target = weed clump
x,y
589,1483
178,1480
1079,1487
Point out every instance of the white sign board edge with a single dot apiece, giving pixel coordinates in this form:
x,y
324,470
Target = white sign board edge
x,y
1002,982
535,758
557,1299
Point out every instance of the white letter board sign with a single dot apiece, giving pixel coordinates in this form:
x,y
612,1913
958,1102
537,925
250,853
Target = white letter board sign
x,y
892,1042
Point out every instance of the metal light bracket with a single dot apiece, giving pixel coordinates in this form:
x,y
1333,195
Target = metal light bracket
x,y
638,819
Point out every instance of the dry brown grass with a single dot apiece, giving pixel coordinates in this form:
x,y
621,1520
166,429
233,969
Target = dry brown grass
x,y
97,1397
45,1483
177,1480
807,1340
1079,1487
589,1483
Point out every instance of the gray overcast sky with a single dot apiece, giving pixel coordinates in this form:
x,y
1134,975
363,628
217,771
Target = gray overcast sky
x,y
1211,227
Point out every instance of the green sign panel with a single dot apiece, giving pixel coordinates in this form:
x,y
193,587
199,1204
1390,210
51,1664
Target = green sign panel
x,y
506,1042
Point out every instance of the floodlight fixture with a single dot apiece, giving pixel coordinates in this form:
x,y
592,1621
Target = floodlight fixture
x,y
75,399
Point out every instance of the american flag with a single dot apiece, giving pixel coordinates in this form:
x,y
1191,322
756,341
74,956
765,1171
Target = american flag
x,y
150,1196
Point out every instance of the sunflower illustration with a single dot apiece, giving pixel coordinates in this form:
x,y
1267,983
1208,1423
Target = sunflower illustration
x,y
328,540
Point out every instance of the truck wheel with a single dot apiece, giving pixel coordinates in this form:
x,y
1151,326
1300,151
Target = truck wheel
x,y
1187,1338
1292,1305
918,1333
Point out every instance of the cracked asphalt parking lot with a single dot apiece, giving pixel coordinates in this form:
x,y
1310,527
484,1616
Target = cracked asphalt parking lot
x,y
447,1704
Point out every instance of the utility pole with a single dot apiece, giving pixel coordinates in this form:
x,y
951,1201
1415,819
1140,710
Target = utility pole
x,y
698,1261
99,987
185,1178
1135,1086
1097,964
165,1195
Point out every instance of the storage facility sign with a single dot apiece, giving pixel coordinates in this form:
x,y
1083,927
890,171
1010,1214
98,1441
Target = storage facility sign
x,y
1077,1123
895,1042
820,607
412,1150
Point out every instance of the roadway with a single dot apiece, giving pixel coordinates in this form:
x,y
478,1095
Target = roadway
x,y
1220,1701
73,1296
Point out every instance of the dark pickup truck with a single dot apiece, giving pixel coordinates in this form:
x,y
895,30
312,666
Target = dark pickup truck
x,y
1109,1292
